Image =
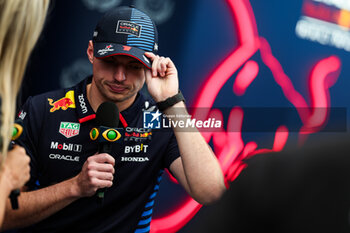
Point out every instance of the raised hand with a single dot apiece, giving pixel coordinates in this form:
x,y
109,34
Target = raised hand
x,y
162,80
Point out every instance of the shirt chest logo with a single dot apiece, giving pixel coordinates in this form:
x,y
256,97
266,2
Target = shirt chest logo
x,y
63,103
69,129
135,149
137,134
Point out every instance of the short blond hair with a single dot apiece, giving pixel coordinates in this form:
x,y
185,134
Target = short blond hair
x,y
21,22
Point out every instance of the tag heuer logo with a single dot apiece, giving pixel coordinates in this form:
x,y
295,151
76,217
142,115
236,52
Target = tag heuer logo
x,y
69,129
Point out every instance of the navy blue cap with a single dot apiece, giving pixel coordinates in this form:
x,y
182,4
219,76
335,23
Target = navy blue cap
x,y
125,31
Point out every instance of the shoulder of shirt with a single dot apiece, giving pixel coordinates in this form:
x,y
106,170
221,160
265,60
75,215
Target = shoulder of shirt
x,y
54,95
57,94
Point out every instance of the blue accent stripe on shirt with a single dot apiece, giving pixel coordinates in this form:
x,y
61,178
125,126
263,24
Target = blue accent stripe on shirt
x,y
148,212
149,204
145,221
153,195
156,187
142,230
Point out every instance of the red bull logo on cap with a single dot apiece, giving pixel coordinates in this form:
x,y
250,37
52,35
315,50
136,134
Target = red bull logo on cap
x,y
63,103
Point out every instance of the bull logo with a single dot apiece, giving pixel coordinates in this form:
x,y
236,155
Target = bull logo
x,y
63,103
229,145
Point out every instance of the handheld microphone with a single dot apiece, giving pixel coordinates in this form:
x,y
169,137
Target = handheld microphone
x,y
107,117
16,133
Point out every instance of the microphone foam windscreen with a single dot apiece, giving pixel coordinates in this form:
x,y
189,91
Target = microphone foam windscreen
x,y
107,115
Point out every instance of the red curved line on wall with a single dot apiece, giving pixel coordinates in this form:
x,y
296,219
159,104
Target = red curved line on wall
x,y
281,138
315,114
246,25
283,80
247,34
234,143
320,82
245,77
231,153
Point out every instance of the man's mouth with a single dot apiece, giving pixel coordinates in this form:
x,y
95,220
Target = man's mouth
x,y
117,88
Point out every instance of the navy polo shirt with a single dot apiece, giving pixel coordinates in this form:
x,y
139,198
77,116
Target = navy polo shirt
x,y
57,126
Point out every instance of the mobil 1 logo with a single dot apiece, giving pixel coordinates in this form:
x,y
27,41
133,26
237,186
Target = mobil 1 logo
x,y
66,146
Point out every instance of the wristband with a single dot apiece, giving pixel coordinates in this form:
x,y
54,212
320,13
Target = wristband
x,y
170,101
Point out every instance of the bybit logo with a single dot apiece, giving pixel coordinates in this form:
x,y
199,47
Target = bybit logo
x,y
136,149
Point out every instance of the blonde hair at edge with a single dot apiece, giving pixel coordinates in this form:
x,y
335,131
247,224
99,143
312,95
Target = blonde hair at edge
x,y
21,22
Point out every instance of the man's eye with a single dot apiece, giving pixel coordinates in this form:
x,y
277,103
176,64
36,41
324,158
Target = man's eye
x,y
108,60
134,66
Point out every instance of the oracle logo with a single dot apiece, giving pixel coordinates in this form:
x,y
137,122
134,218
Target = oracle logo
x,y
70,158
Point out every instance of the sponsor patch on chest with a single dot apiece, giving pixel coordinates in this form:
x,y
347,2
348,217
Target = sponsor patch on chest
x,y
69,129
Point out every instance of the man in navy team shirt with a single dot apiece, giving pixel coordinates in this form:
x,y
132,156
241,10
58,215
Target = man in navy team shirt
x,y
66,170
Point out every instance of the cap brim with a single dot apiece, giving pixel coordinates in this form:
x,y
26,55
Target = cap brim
x,y
103,50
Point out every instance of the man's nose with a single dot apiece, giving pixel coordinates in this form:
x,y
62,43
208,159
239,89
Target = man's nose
x,y
119,73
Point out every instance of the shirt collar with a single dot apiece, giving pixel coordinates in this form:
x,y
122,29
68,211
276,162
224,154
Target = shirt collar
x,y
134,109
83,107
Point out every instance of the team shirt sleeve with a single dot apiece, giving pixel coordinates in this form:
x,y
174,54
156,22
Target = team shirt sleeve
x,y
29,138
172,152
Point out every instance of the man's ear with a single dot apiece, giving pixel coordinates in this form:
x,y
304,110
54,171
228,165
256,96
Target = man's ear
x,y
90,52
